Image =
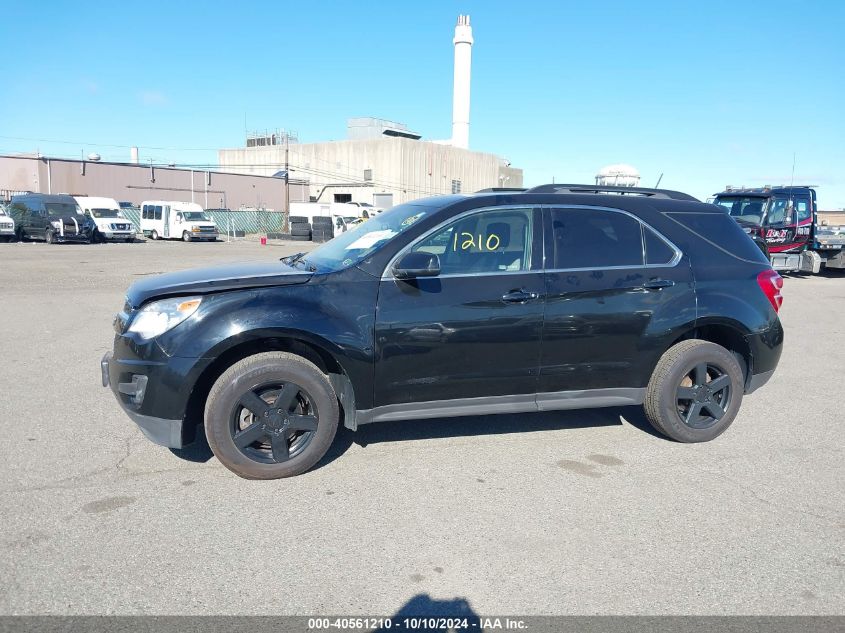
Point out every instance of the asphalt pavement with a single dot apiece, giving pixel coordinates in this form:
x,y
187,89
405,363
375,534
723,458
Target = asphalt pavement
x,y
556,513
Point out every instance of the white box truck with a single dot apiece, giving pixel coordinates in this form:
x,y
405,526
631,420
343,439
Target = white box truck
x,y
171,219
108,219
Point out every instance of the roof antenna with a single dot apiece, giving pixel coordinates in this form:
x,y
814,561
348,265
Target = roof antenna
x,y
658,180
792,181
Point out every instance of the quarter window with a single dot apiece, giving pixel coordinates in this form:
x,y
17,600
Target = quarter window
x,y
657,251
593,238
485,242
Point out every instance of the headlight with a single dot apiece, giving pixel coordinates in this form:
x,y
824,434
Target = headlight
x,y
160,316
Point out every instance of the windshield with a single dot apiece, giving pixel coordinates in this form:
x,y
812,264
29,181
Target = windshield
x,y
194,216
105,213
349,248
743,208
60,209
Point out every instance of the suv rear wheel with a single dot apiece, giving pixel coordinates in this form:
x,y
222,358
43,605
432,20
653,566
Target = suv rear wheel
x,y
271,415
695,391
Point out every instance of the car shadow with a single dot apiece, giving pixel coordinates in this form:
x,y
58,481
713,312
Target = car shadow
x,y
477,425
468,426
435,613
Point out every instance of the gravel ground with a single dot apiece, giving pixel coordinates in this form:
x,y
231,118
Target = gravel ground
x,y
555,513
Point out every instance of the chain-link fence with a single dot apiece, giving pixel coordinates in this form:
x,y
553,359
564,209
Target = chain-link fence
x,y
235,223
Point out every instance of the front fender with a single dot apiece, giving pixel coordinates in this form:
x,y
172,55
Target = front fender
x,y
333,312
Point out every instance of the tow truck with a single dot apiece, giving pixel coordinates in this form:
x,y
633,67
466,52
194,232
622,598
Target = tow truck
x,y
783,221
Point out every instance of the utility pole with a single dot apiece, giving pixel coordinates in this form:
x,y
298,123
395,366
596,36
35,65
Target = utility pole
x,y
287,184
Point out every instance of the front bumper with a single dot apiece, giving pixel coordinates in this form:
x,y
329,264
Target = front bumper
x,y
117,235
131,395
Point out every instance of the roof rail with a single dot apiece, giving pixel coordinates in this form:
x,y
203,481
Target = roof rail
x,y
624,191
501,190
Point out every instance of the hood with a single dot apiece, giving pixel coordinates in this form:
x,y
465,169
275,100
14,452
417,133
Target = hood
x,y
745,224
216,279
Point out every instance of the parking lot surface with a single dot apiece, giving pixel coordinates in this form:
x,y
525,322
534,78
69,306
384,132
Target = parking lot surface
x,y
569,512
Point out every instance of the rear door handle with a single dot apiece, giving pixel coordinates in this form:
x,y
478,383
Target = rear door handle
x,y
519,296
658,284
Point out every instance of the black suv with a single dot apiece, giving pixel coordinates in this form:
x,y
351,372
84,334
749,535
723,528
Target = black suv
x,y
556,297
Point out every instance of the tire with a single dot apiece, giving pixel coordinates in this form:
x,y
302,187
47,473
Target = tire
x,y
154,235
273,447
300,238
322,221
682,401
300,229
50,236
297,219
186,237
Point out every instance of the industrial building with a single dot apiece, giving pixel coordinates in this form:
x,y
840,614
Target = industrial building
x,y
383,160
134,183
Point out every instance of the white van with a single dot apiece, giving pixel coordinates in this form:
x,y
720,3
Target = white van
x,y
165,219
342,213
108,219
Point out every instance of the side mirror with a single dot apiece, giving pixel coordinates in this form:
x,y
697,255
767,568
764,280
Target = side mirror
x,y
418,264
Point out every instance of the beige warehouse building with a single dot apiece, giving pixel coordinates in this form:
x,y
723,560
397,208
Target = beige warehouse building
x,y
134,183
379,157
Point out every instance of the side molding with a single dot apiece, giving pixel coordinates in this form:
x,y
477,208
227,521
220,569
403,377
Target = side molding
x,y
520,403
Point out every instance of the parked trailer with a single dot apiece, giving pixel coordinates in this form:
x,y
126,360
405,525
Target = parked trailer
x,y
783,221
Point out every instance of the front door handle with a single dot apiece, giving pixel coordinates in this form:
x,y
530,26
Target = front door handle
x,y
658,284
519,296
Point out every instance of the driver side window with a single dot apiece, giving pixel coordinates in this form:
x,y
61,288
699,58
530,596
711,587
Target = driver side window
x,y
486,242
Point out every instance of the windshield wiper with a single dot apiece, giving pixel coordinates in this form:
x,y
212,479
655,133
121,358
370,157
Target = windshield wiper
x,y
290,260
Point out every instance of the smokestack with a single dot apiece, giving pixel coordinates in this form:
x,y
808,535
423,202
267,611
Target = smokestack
x,y
133,155
460,93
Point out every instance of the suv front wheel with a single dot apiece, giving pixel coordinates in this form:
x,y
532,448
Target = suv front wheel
x,y
695,391
271,415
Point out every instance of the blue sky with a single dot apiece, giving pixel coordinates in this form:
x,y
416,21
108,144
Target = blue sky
x,y
707,94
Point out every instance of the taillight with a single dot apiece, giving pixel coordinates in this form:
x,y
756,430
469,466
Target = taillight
x,y
771,283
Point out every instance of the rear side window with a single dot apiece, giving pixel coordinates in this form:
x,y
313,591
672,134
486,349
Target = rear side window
x,y
594,238
721,231
657,251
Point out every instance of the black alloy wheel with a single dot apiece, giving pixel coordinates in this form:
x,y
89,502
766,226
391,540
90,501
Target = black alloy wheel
x,y
704,396
271,415
695,391
273,423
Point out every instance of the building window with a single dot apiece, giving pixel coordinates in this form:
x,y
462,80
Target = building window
x,y
456,186
368,175
343,197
